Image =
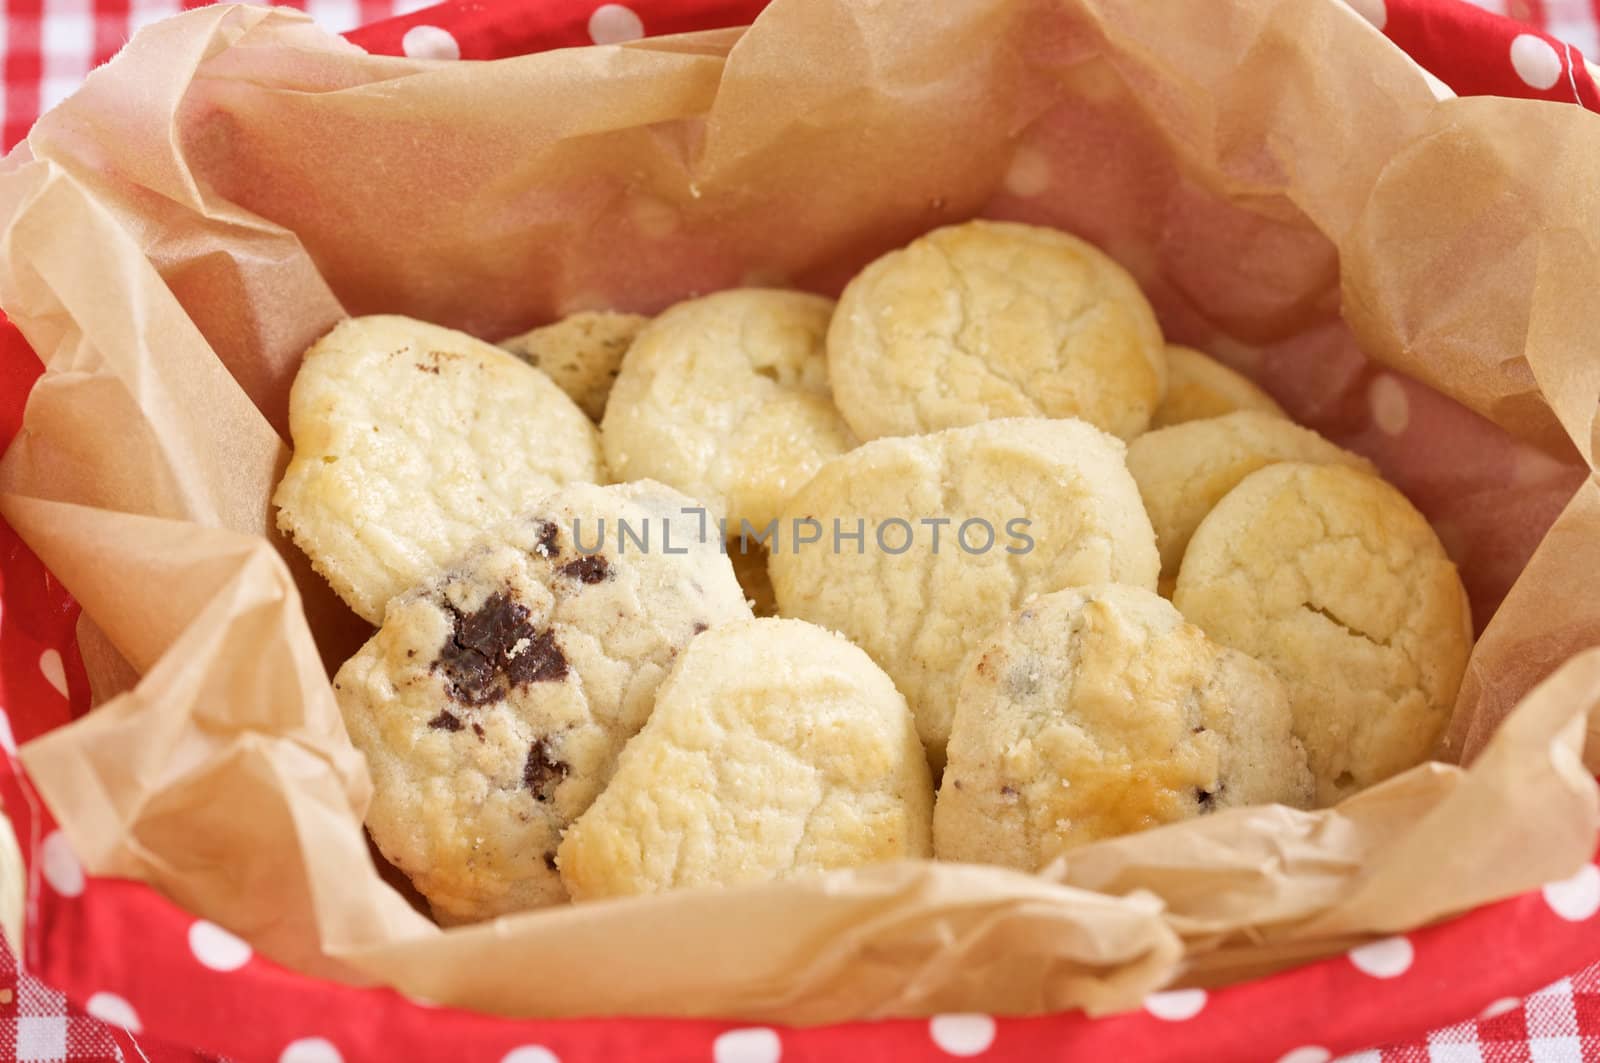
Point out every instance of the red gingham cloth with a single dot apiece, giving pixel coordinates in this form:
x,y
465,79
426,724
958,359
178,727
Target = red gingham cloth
x,y
1430,976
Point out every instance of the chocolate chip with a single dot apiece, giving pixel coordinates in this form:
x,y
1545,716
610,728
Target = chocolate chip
x,y
541,662
699,626
1207,799
589,569
495,648
550,860
434,369
549,544
543,771
445,721
477,729
1008,791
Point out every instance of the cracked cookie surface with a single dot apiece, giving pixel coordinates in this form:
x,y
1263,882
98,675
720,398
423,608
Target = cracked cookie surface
x,y
409,441
492,703
1330,576
1099,711
920,610
727,398
1199,386
775,748
987,320
581,353
1185,470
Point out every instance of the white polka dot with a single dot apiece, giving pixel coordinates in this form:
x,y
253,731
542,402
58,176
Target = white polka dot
x,y
110,1008
7,739
531,1054
215,948
1374,11
311,1050
1536,61
430,42
758,1045
964,1034
1175,1005
55,673
1028,174
1387,958
613,24
1500,1007
61,867
1577,898
1391,410
1308,1054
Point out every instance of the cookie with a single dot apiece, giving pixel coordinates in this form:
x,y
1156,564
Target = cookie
x,y
1330,577
1027,506
493,702
1199,386
994,319
1100,711
750,565
727,398
582,353
775,748
1184,470
409,441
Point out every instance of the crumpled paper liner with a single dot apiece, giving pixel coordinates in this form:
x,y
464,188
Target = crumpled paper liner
x,y
1407,272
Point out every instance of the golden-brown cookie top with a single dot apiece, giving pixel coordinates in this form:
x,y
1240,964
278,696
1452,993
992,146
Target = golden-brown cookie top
x,y
726,398
1330,576
1184,470
986,320
958,528
1199,386
1099,711
409,441
775,748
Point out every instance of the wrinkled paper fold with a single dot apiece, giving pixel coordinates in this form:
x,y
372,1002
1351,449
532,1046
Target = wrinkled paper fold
x,y
1408,272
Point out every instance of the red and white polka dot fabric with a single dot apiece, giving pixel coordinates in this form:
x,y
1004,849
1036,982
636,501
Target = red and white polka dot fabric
x,y
118,972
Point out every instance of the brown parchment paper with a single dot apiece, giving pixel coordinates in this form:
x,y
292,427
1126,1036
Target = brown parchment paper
x,y
1296,196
